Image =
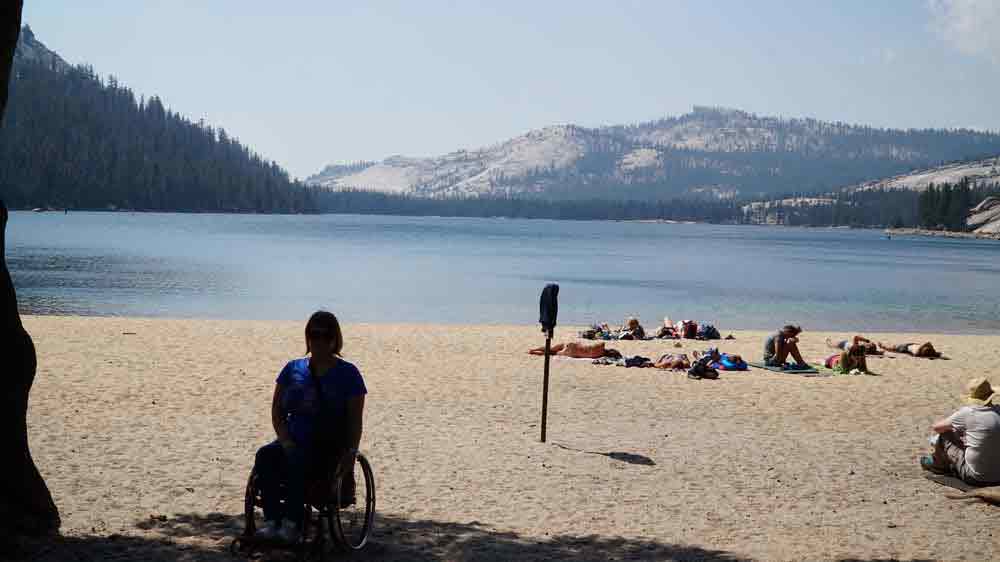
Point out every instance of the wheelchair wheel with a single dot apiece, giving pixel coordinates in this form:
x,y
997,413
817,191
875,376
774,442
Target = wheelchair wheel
x,y
251,500
351,518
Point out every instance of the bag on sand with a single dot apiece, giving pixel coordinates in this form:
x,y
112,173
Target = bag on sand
x,y
708,332
701,369
687,329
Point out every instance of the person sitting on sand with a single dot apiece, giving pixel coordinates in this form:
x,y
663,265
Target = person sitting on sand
x,y
925,349
317,407
579,350
667,330
632,330
780,345
869,347
848,360
673,361
967,443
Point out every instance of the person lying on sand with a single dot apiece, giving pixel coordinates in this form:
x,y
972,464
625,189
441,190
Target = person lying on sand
x,y
673,361
848,360
780,345
579,350
721,361
869,347
967,443
925,349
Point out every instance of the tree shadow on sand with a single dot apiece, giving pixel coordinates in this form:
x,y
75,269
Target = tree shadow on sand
x,y
206,537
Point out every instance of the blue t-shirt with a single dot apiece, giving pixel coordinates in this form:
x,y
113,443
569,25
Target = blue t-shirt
x,y
306,415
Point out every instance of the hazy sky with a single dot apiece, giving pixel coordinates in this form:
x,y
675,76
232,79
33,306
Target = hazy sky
x,y
307,83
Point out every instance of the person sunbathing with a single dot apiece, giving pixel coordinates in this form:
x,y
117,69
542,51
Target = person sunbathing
x,y
869,347
780,345
925,349
848,360
577,350
722,361
667,330
673,361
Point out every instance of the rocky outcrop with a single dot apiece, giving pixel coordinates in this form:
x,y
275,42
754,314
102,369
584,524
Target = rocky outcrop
x,y
984,218
31,49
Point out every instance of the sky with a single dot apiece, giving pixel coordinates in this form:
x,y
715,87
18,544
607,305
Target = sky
x,y
307,83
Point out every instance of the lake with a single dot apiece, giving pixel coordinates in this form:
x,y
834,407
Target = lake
x,y
491,271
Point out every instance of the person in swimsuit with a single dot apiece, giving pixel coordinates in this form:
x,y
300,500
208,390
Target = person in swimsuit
x,y
587,350
632,330
846,361
925,349
780,345
673,361
869,347
667,330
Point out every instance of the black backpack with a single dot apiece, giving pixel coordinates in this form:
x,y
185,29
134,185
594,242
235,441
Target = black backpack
x,y
701,369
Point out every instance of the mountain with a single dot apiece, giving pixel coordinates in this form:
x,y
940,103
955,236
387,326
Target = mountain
x,y
710,152
71,139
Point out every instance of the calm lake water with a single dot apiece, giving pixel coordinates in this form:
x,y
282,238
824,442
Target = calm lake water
x,y
457,270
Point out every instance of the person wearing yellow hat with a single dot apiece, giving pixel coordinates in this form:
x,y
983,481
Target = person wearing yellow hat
x,y
968,441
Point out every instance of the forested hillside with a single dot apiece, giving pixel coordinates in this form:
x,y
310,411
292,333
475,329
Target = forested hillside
x,y
71,139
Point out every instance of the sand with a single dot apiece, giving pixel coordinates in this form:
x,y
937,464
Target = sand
x,y
145,431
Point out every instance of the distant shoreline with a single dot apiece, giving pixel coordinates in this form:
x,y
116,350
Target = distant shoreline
x,y
941,233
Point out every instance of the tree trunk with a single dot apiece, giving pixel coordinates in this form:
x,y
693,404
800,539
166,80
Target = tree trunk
x,y
26,506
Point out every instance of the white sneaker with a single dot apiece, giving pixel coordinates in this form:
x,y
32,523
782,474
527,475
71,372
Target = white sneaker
x,y
268,530
289,532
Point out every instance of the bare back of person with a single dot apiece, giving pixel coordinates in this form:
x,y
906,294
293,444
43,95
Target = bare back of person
x,y
588,350
584,350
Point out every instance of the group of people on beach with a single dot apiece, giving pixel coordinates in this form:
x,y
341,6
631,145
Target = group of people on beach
x,y
318,406
631,329
780,349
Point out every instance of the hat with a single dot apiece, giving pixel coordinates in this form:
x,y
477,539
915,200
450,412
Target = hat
x,y
981,393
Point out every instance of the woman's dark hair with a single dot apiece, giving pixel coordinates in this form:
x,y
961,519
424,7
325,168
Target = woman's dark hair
x,y
325,322
792,328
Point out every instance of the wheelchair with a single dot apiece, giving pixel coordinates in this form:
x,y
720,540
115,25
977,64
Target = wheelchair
x,y
348,520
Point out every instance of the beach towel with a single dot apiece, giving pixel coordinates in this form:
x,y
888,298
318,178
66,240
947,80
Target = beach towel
x,y
949,481
810,372
988,494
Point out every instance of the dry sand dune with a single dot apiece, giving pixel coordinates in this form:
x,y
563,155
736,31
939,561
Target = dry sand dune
x,y
145,431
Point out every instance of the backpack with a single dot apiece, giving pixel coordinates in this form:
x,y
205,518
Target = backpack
x,y
701,369
708,332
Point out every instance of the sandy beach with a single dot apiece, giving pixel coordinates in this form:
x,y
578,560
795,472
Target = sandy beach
x,y
145,430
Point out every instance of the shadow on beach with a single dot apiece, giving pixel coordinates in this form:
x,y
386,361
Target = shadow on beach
x,y
207,537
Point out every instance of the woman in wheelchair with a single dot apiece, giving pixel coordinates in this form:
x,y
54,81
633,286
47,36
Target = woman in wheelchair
x,y
317,415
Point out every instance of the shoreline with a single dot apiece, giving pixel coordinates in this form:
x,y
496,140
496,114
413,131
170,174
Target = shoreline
x,y
567,330
941,233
